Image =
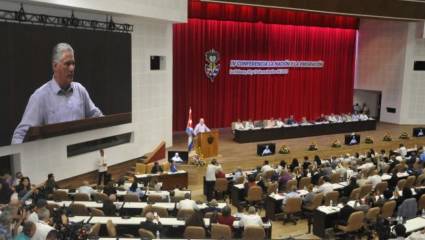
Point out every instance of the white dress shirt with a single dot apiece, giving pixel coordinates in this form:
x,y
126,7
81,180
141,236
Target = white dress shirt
x,y
266,168
211,171
403,151
42,229
249,125
239,126
201,128
325,188
102,166
87,190
187,204
177,159
374,180
251,220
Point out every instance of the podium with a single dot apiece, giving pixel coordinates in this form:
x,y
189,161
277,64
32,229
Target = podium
x,y
207,142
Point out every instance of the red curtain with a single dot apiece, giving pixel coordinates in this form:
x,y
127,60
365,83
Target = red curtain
x,y
233,12
302,92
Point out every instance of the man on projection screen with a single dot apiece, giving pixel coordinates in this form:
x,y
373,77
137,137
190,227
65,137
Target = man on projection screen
x,y
58,100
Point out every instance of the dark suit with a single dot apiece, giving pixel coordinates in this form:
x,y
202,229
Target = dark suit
x,y
150,226
344,214
157,169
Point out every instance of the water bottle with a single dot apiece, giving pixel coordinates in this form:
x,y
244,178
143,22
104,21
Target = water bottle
x,y
331,203
423,213
158,235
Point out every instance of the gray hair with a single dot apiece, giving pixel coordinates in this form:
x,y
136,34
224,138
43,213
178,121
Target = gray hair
x,y
6,216
58,51
43,214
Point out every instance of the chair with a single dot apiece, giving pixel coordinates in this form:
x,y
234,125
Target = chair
x,y
192,232
96,212
290,185
81,197
149,167
381,187
99,197
220,231
331,196
272,187
166,166
401,183
161,211
335,178
385,169
354,195
112,230
421,203
372,215
420,179
354,223
292,207
131,198
221,187
388,208
94,230
304,182
146,234
52,208
78,209
309,209
410,181
140,168
365,190
184,214
154,198
254,195
59,195
254,233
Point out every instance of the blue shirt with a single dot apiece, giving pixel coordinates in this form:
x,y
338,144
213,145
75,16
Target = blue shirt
x,y
22,236
50,104
422,157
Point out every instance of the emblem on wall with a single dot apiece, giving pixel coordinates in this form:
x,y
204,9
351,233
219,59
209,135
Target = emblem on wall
x,y
212,68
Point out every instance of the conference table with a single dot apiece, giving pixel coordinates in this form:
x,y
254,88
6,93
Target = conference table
x,y
171,223
169,180
266,134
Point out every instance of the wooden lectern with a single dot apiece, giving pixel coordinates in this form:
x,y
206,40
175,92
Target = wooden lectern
x,y
207,142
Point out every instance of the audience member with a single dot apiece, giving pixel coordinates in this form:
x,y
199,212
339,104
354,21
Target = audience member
x,y
42,226
251,219
344,212
210,178
156,168
226,217
86,189
150,225
187,203
196,220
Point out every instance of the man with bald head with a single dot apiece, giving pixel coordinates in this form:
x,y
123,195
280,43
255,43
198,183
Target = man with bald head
x,y
60,99
201,127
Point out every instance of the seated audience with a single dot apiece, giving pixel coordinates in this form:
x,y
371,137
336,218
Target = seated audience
x,y
249,125
109,188
86,189
374,179
346,191
28,231
344,212
238,174
239,125
226,218
50,185
187,203
251,219
42,226
325,187
156,168
196,220
150,225
408,207
135,190
322,118
23,187
109,208
304,122
212,206
308,198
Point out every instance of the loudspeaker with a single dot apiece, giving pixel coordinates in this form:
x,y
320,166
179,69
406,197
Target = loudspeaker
x,y
155,62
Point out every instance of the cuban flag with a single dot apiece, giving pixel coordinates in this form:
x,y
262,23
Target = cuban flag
x,y
189,131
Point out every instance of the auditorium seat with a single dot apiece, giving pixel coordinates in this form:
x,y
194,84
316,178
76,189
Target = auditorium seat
x,y
354,223
291,184
272,187
221,187
410,181
381,187
94,231
292,207
81,197
365,190
162,212
131,198
254,196
401,183
304,182
184,214
335,177
421,203
254,233
78,209
59,195
112,230
192,232
388,208
221,231
146,234
354,195
96,212
99,197
420,179
331,196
